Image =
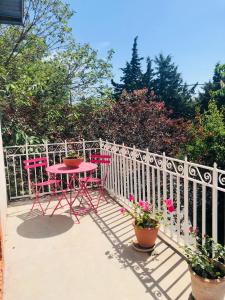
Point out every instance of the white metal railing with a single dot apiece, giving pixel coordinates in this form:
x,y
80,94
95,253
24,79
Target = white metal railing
x,y
195,189
16,176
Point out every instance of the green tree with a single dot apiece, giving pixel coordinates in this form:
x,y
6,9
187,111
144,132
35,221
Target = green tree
x,y
170,88
148,76
42,69
132,74
206,145
207,137
213,89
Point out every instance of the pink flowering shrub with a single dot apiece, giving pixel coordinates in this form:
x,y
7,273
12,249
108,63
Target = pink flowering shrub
x,y
144,215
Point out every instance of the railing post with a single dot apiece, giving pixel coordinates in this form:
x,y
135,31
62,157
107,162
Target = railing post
x,y
28,170
46,151
148,179
124,177
109,178
66,150
101,165
115,170
164,177
100,145
135,174
215,202
84,150
186,227
164,185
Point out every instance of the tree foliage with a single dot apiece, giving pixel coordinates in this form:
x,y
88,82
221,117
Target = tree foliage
x,y
170,88
43,70
132,74
214,89
162,78
207,137
141,123
148,76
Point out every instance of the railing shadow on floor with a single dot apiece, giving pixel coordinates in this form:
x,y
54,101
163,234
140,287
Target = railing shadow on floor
x,y
160,272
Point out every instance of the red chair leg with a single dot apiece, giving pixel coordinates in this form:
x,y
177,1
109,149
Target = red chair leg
x,y
69,203
58,204
36,192
53,193
84,191
101,195
89,199
34,202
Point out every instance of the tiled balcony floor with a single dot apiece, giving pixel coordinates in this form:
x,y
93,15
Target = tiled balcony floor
x,y
54,258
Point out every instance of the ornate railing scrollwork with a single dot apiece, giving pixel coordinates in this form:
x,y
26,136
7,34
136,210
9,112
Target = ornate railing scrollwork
x,y
222,179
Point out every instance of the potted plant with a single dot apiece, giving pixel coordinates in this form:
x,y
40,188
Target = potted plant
x,y
205,259
73,159
146,221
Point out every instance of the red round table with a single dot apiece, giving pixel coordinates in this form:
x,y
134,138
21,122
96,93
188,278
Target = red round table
x,y
63,169
73,172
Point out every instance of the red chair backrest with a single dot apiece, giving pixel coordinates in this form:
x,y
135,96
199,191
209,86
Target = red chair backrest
x,y
104,160
100,159
35,162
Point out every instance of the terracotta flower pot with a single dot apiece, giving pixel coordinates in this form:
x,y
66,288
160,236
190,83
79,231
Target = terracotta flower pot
x,y
146,237
72,162
207,289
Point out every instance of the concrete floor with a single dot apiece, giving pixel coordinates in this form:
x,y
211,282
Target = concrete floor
x,y
50,258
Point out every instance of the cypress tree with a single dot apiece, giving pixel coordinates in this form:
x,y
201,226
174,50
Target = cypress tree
x,y
132,74
212,89
147,80
170,88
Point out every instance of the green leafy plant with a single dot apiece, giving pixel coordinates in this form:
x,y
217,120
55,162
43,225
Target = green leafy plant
x,y
73,154
144,214
205,256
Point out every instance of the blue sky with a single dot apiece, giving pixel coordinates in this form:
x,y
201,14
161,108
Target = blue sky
x,y
192,31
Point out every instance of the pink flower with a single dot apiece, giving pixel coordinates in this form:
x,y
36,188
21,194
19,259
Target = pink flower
x,y
146,206
141,203
171,209
122,210
193,230
131,198
169,202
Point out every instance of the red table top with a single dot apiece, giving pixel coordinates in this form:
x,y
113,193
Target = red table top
x,y
62,169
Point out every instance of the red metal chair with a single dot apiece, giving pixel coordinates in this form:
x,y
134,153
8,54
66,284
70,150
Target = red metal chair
x,y
98,182
33,165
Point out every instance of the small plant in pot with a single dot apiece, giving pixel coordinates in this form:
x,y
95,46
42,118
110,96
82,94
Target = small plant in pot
x,y
73,159
205,259
146,220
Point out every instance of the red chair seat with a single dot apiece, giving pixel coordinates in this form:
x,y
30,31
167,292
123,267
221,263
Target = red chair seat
x,y
90,180
48,182
98,182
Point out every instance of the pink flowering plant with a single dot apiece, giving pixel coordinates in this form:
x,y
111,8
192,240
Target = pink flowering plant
x,y
204,256
144,214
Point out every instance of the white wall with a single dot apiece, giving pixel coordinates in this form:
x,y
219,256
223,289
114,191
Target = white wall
x,y
3,192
